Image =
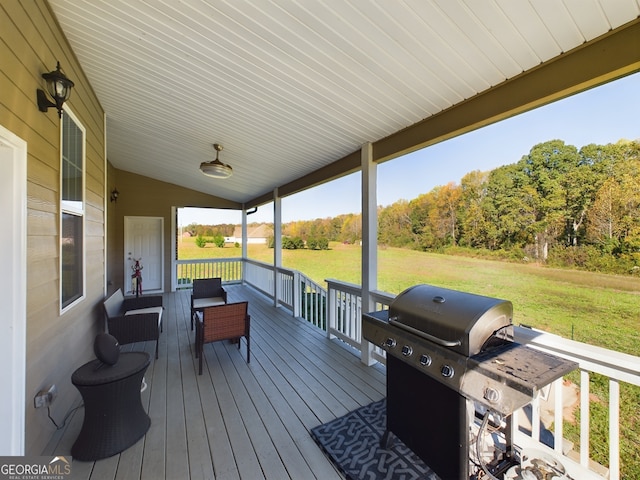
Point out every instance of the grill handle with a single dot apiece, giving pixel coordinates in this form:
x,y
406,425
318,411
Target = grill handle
x,y
443,343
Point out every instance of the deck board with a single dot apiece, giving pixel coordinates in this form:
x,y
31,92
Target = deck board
x,y
177,463
199,455
154,455
236,420
283,443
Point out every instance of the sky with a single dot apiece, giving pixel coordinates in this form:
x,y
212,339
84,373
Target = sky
x,y
601,115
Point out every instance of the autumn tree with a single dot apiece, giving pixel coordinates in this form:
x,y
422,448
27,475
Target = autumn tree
x,y
614,219
445,214
550,168
422,228
471,216
509,208
351,230
394,225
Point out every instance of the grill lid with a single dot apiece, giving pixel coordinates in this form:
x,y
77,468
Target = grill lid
x,y
458,320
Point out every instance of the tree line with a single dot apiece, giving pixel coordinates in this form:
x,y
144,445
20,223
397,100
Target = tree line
x,y
557,205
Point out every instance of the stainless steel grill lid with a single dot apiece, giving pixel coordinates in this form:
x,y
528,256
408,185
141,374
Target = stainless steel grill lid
x,y
460,321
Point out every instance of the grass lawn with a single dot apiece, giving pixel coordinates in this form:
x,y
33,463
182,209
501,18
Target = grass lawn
x,y
598,309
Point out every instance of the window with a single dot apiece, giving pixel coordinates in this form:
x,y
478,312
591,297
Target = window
x,y
72,269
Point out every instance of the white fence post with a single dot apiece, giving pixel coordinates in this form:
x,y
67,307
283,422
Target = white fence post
x,y
614,429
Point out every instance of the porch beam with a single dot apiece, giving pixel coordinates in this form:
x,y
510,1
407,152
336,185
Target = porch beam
x,y
598,61
601,60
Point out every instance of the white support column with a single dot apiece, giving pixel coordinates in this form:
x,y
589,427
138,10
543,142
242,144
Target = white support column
x,y
244,244
174,247
369,240
277,244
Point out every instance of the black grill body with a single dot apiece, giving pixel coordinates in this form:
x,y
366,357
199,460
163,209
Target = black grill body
x,y
423,419
445,350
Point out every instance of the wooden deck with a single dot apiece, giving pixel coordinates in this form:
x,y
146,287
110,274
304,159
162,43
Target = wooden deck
x,y
237,420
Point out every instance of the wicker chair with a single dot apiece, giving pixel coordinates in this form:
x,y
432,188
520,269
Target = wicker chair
x,y
207,292
230,321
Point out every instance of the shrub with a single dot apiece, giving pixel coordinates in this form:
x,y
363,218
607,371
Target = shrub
x,y
292,243
218,241
315,243
201,241
591,258
511,255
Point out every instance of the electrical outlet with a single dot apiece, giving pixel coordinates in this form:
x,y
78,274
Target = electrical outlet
x,y
45,397
41,399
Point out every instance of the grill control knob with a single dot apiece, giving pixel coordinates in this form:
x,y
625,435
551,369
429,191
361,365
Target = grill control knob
x,y
390,343
407,350
447,371
425,360
492,395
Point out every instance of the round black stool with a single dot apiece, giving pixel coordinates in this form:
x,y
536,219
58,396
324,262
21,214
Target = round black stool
x,y
114,418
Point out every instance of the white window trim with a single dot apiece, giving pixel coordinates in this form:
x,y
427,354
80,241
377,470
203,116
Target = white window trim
x,y
74,210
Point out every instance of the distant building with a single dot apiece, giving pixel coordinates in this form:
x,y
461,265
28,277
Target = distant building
x,y
257,234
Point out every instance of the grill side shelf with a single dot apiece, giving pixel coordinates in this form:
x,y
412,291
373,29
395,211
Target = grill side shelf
x,y
516,372
522,365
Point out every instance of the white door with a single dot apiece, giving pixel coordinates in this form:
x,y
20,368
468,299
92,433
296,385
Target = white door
x,y
143,240
13,291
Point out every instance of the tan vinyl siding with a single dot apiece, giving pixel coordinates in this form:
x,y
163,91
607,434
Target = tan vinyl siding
x,y
30,44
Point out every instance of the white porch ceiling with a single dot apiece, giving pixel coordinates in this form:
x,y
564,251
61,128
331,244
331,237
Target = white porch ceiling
x,y
289,86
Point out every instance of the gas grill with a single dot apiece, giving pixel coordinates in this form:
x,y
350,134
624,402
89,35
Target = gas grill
x,y
446,350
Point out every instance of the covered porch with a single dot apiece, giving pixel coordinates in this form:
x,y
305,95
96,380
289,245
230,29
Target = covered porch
x,y
288,120
242,420
237,420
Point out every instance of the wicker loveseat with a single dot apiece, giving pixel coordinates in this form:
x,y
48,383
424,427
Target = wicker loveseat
x,y
134,319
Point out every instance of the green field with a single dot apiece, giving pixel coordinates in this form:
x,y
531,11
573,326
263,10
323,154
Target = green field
x,y
599,309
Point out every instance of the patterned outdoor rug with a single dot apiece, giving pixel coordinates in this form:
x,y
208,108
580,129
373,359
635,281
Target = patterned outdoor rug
x,y
352,443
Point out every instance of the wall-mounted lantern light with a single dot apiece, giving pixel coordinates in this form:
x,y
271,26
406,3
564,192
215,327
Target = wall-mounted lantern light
x,y
59,87
114,195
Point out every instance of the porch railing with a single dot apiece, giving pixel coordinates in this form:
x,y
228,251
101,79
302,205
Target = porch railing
x,y
344,323
229,269
344,313
297,292
338,311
